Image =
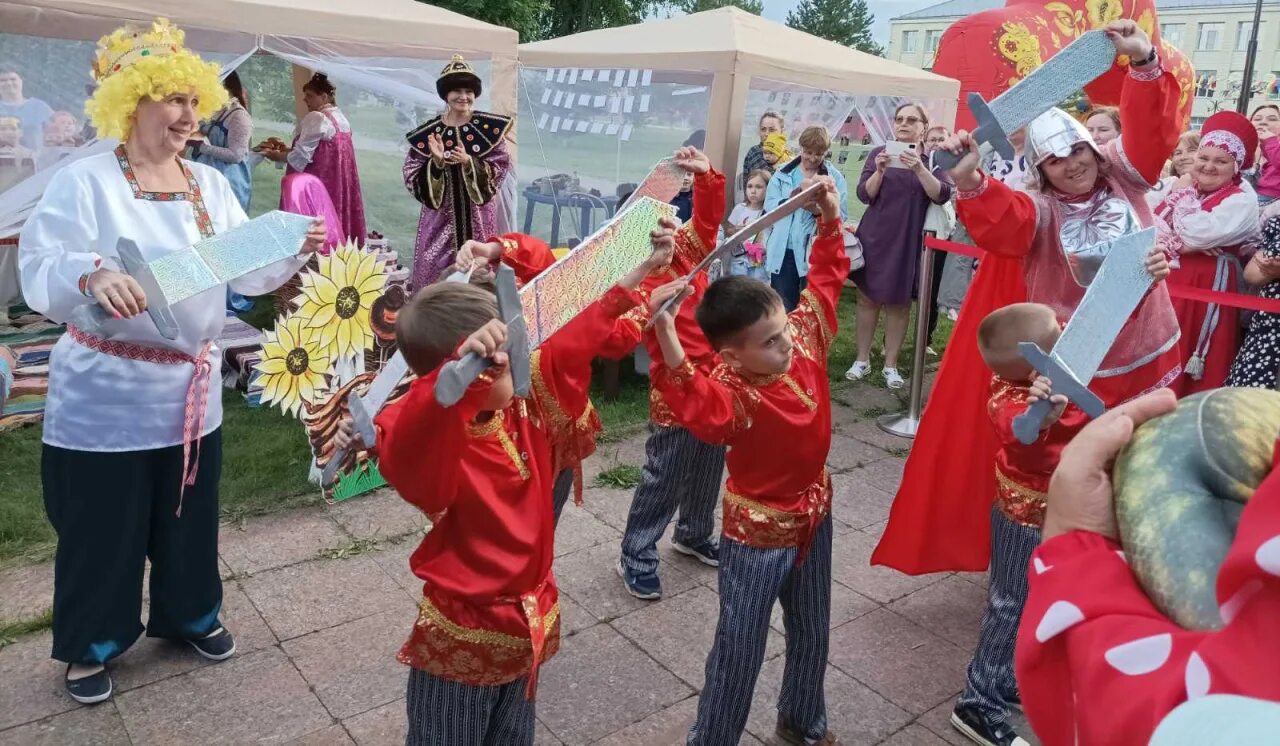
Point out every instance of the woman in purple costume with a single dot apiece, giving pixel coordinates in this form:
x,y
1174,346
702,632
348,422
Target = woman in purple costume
x,y
455,168
897,190
322,147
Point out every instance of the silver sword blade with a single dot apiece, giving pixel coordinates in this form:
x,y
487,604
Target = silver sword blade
x,y
795,202
1111,298
380,389
1076,65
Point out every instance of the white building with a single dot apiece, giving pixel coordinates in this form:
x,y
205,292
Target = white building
x,y
1213,33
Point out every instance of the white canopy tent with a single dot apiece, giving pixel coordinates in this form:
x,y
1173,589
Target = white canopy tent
x,y
380,50
734,52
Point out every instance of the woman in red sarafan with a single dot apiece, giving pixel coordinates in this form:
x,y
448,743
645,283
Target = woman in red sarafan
x,y
1041,247
1206,222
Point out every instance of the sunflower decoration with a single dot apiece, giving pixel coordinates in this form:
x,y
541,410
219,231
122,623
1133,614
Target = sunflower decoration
x,y
293,367
336,300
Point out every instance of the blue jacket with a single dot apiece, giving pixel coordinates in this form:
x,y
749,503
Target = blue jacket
x,y
796,230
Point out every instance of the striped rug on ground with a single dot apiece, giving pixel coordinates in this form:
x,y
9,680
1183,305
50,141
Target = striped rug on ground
x,y
29,337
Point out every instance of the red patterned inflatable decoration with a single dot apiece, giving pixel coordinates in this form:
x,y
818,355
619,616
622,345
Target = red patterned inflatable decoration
x,y
1185,72
991,50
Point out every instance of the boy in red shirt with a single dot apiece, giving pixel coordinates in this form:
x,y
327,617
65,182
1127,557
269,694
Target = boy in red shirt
x,y
482,471
692,484
769,401
1022,479
572,432
680,471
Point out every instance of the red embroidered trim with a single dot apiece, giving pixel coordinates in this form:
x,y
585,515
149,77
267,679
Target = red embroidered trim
x,y
976,191
203,222
1152,73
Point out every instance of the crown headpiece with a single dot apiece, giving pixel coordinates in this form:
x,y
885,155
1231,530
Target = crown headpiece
x,y
126,47
457,65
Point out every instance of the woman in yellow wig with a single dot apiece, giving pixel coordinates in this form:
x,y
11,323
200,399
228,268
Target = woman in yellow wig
x,y
132,439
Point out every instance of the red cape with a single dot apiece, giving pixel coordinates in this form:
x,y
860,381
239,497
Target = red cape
x,y
941,516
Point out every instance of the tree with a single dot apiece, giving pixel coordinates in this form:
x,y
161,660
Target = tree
x,y
846,22
525,16
564,17
697,6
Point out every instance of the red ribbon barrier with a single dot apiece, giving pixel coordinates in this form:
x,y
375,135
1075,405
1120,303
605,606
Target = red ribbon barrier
x,y
1235,300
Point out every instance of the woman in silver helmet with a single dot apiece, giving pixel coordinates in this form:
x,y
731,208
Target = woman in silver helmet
x,y
1085,196
1045,246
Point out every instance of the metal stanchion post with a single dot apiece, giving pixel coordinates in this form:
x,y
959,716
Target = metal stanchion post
x,y
905,424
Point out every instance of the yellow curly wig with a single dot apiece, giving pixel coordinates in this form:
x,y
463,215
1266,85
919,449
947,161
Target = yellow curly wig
x,y
131,64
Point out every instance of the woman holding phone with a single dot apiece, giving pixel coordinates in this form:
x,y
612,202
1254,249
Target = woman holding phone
x,y
897,186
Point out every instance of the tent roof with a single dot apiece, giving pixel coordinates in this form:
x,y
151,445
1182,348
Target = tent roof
x,y
731,40
398,24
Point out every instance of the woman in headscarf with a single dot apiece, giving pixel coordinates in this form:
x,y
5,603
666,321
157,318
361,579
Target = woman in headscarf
x,y
132,439
1205,223
455,168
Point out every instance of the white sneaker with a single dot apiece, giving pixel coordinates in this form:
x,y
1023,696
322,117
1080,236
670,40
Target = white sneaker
x,y
893,379
953,314
930,352
858,370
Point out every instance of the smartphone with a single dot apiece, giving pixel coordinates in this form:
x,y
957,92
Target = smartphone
x,y
895,149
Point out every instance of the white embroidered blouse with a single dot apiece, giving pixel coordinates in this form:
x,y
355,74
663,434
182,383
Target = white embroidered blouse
x,y
100,402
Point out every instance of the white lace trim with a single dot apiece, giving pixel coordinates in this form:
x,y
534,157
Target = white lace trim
x,y
1229,142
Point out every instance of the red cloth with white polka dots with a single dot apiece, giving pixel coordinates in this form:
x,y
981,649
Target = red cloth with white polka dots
x,y
1098,664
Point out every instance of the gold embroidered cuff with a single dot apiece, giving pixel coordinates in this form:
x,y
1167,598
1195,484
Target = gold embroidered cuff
x,y
617,301
682,373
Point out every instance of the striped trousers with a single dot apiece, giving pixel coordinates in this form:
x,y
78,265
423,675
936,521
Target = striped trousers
x,y
561,490
449,713
751,580
989,679
682,472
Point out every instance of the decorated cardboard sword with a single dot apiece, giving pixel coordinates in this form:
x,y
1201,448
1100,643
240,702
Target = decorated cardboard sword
x,y
549,301
793,203
560,293
661,183
1115,292
1072,68
175,277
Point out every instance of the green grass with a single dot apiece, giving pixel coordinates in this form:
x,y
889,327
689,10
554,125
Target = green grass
x,y
11,631
622,476
358,483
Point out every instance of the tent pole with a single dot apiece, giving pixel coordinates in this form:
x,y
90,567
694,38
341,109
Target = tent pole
x,y
300,77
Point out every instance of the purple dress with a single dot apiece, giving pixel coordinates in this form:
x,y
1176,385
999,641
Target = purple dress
x,y
891,231
334,163
458,201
